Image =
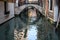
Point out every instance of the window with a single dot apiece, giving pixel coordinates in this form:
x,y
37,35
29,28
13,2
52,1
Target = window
x,y
50,4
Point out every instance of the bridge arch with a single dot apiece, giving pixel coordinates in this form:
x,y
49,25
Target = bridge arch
x,y
21,8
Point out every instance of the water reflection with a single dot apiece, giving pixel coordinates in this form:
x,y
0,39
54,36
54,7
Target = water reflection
x,y
41,30
21,28
7,30
32,32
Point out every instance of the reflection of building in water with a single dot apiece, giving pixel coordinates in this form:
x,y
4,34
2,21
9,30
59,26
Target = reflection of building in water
x,y
20,35
41,34
32,15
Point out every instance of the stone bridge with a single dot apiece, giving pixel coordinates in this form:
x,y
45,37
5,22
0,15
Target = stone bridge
x,y
21,8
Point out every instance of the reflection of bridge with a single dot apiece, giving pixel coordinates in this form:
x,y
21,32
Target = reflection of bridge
x,y
21,8
52,16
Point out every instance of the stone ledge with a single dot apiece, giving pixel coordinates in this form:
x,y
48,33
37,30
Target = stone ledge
x,y
6,18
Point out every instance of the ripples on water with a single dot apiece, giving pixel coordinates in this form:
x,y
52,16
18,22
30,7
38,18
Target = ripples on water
x,y
41,30
22,29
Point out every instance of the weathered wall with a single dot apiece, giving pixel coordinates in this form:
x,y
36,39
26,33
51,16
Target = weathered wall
x,y
55,10
10,6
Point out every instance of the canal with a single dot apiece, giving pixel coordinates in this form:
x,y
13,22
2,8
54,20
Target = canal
x,y
28,25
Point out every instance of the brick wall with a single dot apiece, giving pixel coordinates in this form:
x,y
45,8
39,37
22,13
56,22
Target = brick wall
x,y
46,8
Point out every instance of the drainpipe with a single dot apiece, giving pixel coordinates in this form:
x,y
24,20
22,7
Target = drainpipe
x,y
6,7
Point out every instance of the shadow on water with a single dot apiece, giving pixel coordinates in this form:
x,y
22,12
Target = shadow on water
x,y
57,31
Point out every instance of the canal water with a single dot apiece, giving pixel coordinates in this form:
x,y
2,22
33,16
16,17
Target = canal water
x,y
24,27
